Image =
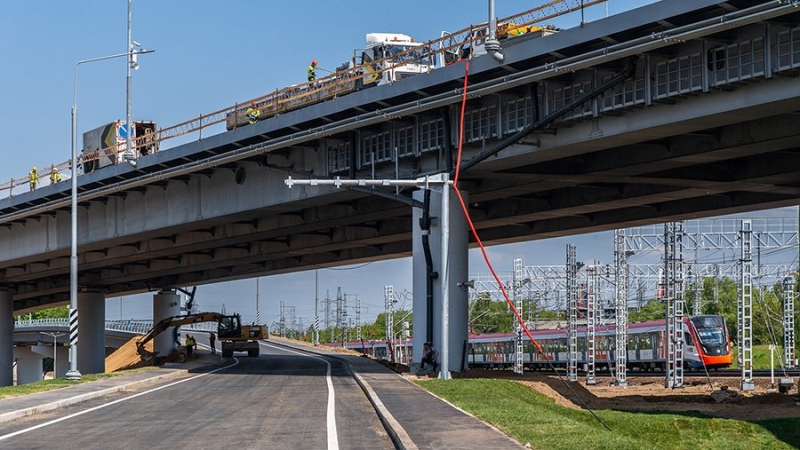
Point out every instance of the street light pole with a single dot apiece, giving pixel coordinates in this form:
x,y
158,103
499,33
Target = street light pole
x,y
130,154
73,373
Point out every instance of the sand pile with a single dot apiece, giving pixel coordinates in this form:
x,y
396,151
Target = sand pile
x,y
128,356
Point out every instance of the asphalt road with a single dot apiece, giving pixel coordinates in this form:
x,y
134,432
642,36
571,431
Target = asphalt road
x,y
279,400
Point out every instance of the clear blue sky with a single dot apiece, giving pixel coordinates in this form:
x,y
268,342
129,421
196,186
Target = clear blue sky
x,y
210,55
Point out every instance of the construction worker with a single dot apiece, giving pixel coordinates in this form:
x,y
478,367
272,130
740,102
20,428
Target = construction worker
x,y
55,177
33,178
253,112
312,74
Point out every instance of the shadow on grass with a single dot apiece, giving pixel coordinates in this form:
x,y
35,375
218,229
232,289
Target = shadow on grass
x,y
785,429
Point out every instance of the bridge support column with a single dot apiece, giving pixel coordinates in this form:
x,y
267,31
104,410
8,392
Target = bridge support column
x,y
165,304
6,338
61,358
457,268
91,332
29,365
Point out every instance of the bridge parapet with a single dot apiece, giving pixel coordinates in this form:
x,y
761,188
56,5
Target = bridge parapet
x,y
133,326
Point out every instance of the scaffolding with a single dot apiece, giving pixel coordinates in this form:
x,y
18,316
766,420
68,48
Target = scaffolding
x,y
673,281
572,313
621,304
789,361
518,272
745,310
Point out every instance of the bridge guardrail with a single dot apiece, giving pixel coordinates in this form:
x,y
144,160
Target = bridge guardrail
x,y
310,92
133,326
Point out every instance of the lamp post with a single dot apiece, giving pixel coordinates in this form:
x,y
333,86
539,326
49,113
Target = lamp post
x,y
130,155
55,346
73,373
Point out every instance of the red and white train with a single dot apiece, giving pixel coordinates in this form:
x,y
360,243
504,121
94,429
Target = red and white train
x,y
706,344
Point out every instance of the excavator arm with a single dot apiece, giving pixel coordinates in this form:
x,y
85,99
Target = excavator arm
x,y
175,321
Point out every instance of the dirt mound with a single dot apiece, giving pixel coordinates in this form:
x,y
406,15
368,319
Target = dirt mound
x,y
129,357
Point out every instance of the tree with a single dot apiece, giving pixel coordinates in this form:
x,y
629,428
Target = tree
x,y
59,312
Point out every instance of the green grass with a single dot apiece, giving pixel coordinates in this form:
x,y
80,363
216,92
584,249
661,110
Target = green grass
x,y
761,357
533,418
58,383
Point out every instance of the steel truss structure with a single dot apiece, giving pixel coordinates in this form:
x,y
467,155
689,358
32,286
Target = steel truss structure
x,y
673,277
518,281
745,309
621,304
572,321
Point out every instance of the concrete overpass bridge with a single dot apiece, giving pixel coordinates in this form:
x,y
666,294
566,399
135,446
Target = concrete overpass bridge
x,y
37,339
666,112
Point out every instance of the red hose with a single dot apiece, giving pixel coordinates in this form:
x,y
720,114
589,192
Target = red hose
x,y
469,219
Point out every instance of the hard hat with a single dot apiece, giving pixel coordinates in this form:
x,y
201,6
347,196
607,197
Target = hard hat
x,y
314,62
34,167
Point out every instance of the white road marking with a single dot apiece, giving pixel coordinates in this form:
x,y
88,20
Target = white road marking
x,y
61,419
333,436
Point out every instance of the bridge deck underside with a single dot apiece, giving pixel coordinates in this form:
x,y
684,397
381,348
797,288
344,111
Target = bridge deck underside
x,y
631,156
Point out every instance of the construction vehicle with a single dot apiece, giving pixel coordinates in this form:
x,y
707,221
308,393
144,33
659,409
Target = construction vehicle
x,y
391,57
234,336
106,145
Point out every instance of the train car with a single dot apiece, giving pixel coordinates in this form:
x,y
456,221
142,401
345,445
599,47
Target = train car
x,y
706,344
714,349
401,352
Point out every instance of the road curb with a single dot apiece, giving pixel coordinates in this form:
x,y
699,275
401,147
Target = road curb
x,y
396,431
20,413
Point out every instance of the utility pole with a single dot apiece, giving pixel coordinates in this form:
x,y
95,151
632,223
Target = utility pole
x,y
673,288
591,299
572,313
746,307
316,308
517,283
621,303
388,298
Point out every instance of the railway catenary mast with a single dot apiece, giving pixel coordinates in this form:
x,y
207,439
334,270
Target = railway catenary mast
x,y
746,307
788,323
517,283
591,317
621,304
572,317
673,277
388,296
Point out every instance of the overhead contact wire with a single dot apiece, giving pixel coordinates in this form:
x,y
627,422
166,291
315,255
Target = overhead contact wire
x,y
483,249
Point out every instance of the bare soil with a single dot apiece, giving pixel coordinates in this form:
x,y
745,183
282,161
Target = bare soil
x,y
717,397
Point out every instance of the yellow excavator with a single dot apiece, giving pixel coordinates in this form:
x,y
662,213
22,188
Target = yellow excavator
x,y
233,336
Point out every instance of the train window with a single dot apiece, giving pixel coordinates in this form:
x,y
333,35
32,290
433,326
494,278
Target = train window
x,y
710,329
689,340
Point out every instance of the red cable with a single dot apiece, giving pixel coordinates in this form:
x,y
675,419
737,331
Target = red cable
x,y
469,219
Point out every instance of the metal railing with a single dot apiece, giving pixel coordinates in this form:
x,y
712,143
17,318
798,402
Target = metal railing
x,y
133,326
328,87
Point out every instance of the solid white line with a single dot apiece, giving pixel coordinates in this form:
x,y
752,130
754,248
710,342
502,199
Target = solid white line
x,y
333,436
61,419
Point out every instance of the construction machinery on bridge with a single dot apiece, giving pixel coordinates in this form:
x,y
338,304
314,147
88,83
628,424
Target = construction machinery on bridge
x,y
232,334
